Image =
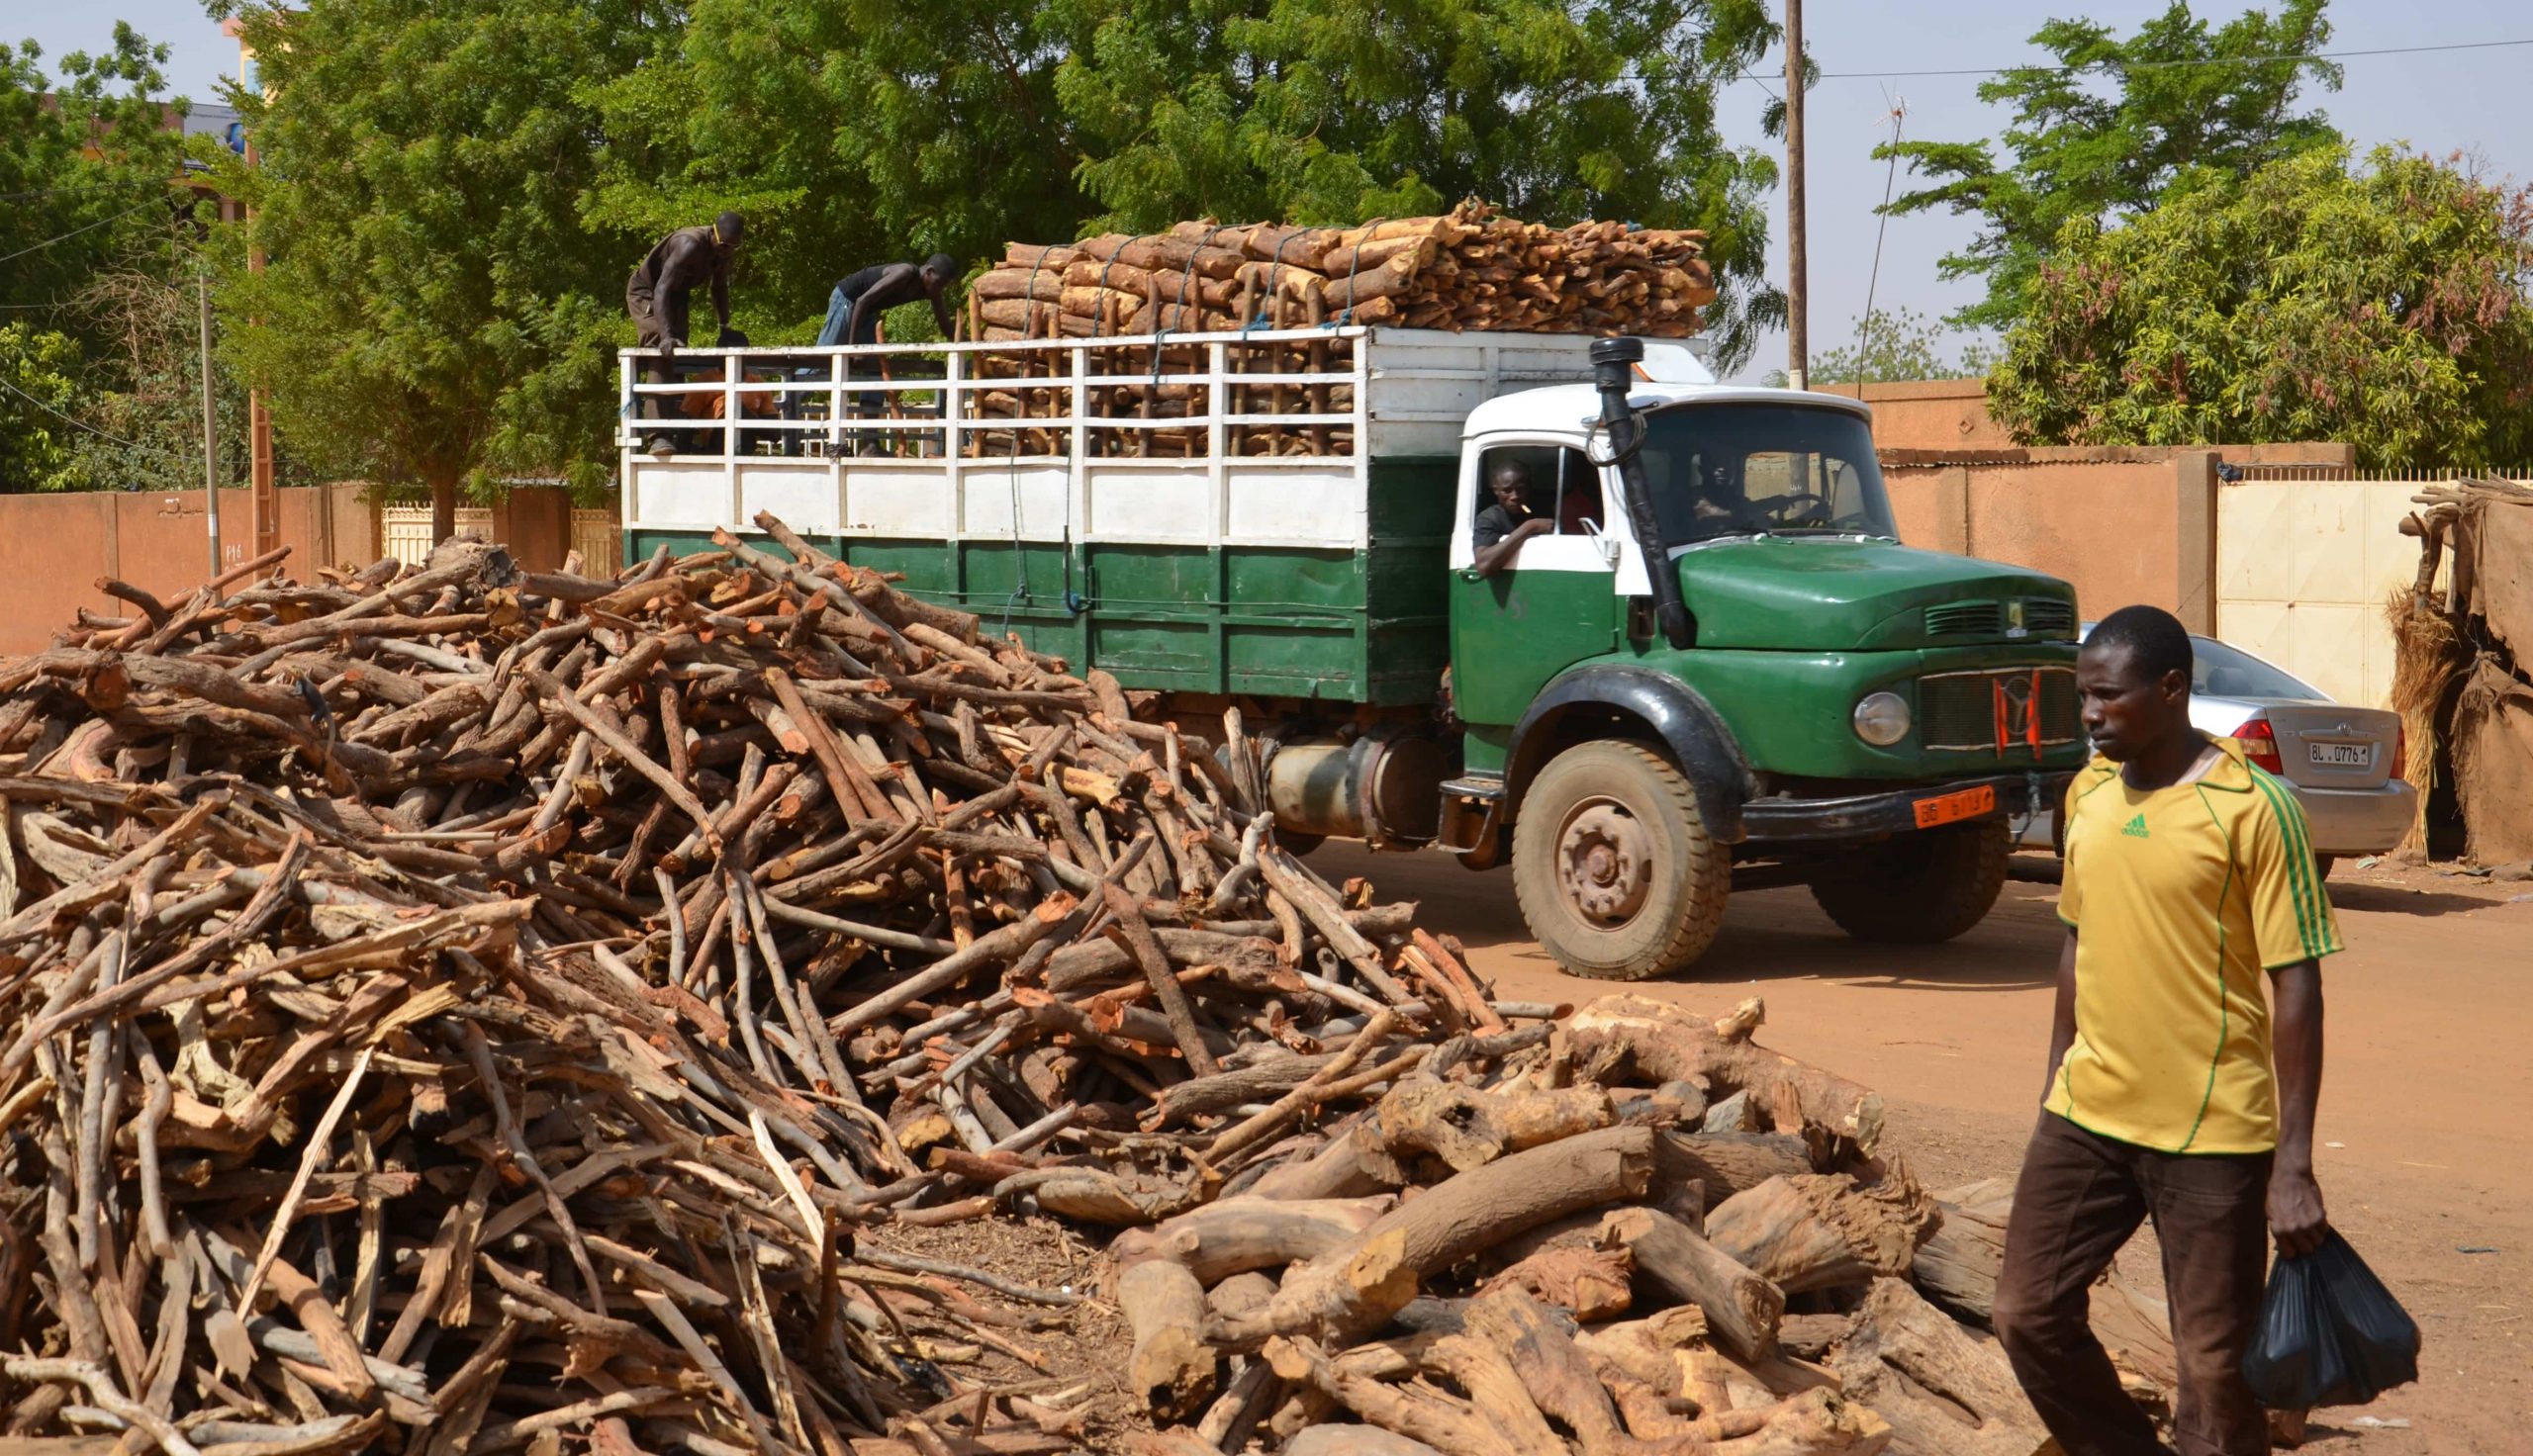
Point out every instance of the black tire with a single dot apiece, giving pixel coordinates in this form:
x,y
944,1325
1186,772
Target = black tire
x,y
1919,888
1299,844
1625,822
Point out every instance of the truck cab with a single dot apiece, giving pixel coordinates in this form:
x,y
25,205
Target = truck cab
x,y
1714,665
1839,709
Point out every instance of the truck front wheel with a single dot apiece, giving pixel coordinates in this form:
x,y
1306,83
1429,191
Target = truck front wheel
x,y
1612,865
1918,888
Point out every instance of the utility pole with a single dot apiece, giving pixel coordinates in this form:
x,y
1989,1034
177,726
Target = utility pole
x,y
210,454
1798,262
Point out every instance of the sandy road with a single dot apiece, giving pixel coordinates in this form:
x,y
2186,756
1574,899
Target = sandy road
x,y
2427,1090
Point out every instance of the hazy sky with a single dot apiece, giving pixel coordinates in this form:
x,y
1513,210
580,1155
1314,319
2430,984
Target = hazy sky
x,y
2456,100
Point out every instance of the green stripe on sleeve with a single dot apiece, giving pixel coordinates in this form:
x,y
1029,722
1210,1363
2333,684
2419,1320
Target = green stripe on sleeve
x,y
2319,941
2299,861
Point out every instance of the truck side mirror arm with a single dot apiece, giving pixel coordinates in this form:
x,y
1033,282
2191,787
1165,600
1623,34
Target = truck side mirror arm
x,y
1613,369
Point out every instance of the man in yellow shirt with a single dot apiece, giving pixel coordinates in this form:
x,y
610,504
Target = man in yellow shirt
x,y
2189,879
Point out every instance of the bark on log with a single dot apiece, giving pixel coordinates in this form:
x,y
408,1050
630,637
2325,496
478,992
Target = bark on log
x,y
1455,1218
1823,1231
1668,1042
1335,1171
1467,1128
1592,1283
1233,1235
1415,1412
1944,1390
1742,1309
1560,1378
1171,1368
1957,1265
1726,1162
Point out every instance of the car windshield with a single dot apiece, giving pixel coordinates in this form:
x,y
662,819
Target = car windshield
x,y
1743,470
2218,670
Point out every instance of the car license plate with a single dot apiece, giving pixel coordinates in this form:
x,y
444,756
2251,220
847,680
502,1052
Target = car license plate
x,y
1944,808
2340,755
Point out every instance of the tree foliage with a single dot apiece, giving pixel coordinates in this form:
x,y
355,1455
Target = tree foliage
x,y
1333,111
1897,344
38,432
88,159
451,191
850,133
2390,305
432,307
85,162
2112,127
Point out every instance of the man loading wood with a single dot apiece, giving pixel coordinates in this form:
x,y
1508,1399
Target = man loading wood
x,y
659,292
854,309
2189,872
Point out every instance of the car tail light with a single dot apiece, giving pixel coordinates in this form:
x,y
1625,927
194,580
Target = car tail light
x,y
2401,749
2260,745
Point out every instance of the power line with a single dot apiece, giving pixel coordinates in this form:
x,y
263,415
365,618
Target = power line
x,y
2145,65
64,418
75,231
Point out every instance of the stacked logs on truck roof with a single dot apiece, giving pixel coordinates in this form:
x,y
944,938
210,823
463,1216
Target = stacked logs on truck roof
x,y
1467,269
478,1009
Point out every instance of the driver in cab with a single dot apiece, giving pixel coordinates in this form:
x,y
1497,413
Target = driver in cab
x,y
1719,508
1503,526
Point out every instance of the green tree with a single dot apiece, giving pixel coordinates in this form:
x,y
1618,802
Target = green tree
x,y
39,431
850,133
1333,111
433,307
846,131
1895,345
2114,127
2390,305
86,162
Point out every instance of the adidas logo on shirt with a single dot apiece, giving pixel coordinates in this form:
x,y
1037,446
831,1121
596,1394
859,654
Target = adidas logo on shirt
x,y
2135,828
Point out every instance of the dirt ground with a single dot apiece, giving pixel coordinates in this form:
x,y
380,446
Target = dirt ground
x,y
2427,1086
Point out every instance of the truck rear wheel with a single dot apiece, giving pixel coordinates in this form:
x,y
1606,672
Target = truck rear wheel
x,y
1918,888
1612,865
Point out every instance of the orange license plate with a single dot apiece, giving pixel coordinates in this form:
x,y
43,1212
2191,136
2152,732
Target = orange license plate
x,y
1944,808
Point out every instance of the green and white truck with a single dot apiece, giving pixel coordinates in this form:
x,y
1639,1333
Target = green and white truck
x,y
1719,667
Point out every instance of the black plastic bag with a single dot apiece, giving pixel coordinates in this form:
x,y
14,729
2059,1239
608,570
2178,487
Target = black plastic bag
x,y
2330,1333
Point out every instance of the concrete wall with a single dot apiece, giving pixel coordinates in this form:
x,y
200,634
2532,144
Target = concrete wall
x,y
2123,525
53,549
1952,414
1928,413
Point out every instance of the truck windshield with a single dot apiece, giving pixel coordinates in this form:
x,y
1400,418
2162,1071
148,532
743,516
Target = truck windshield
x,y
1744,469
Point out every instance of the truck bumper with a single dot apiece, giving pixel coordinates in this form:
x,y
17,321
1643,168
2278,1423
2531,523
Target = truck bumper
x,y
1899,812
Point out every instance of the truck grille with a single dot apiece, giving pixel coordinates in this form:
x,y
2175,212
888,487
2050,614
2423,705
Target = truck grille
x,y
2046,616
2041,616
1994,709
1966,619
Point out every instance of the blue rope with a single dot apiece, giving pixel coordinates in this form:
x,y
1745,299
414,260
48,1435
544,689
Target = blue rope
x,y
1353,271
1275,269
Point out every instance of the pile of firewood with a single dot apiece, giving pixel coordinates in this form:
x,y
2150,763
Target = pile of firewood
x,y
483,1008
1468,269
503,1004
1639,1232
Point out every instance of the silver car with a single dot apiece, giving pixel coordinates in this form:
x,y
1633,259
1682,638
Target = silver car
x,y
2343,762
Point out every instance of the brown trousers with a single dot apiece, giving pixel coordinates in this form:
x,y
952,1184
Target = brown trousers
x,y
2080,1198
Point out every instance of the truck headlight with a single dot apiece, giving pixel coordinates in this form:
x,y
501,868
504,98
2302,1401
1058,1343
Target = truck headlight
x,y
1882,718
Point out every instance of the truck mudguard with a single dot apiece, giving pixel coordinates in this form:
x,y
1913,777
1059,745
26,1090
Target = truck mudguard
x,y
1689,729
